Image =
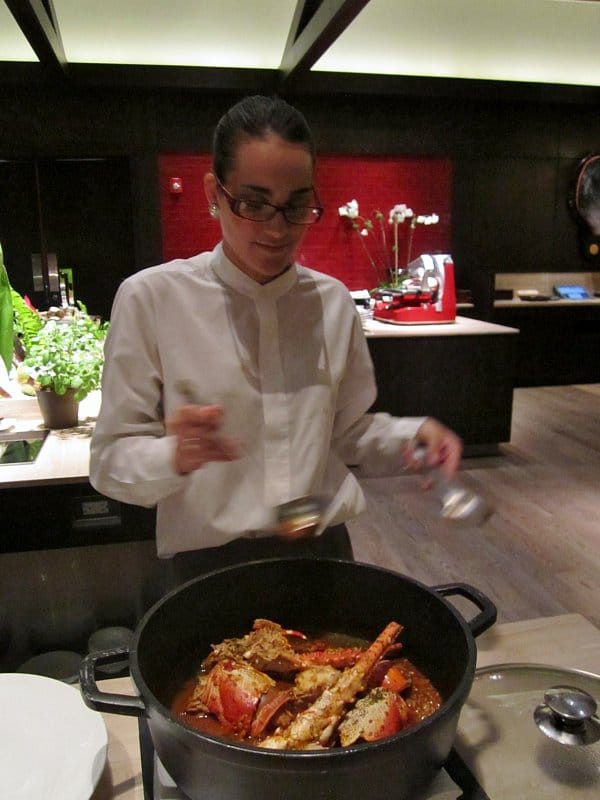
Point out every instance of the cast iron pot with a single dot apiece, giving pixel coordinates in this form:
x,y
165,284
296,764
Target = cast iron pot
x,y
310,594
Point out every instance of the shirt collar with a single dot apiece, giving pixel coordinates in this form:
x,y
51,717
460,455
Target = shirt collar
x,y
238,280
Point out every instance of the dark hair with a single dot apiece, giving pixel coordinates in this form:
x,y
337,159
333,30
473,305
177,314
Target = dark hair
x,y
253,117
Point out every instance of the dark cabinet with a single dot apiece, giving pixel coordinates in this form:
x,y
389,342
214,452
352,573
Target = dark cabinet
x,y
71,561
464,381
557,345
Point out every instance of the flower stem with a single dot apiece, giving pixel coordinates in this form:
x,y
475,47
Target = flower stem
x,y
395,253
410,239
370,257
383,243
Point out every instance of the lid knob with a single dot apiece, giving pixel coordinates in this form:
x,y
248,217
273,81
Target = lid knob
x,y
568,716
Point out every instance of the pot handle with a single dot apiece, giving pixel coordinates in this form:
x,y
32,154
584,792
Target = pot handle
x,y
107,701
487,610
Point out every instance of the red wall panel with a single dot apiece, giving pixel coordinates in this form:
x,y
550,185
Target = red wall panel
x,y
331,246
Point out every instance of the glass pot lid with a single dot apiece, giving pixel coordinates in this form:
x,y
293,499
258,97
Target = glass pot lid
x,y
499,738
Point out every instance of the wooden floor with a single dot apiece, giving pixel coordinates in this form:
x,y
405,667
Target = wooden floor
x,y
539,554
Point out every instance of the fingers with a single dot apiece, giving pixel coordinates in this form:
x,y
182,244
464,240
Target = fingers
x,y
188,417
450,454
195,450
199,441
443,447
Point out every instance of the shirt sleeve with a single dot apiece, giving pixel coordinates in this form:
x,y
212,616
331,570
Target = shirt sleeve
x,y
371,442
131,458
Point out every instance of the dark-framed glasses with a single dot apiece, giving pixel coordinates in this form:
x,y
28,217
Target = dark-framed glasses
x,y
258,210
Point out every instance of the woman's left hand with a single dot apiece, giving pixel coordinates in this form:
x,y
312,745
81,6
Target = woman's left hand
x,y
443,448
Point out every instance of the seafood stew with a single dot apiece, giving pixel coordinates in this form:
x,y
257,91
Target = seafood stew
x,y
284,689
301,593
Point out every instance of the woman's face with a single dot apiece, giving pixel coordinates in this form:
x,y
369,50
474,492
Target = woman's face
x,y
272,170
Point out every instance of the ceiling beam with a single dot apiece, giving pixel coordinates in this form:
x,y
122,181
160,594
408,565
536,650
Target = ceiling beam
x,y
315,26
37,20
302,15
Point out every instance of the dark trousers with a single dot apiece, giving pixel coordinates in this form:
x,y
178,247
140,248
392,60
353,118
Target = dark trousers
x,y
334,542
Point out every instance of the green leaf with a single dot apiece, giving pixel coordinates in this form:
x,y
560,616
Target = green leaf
x,y
27,322
6,316
68,354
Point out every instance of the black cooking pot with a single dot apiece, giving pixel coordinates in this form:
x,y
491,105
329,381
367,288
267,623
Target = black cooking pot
x,y
309,594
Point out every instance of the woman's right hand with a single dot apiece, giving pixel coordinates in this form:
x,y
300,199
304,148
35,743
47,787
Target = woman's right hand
x,y
196,429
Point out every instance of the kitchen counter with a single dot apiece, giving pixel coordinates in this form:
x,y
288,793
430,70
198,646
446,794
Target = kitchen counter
x,y
553,303
63,510
460,372
65,454
558,342
544,283
462,326
565,641
63,458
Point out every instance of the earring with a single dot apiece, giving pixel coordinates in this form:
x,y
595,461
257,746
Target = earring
x,y
213,210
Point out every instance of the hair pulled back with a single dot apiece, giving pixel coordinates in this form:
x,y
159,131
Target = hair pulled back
x,y
254,117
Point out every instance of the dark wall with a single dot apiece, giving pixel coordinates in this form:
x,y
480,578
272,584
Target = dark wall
x,y
514,154
84,216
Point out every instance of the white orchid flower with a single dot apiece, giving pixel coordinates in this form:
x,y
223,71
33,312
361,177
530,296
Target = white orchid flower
x,y
350,210
399,213
428,219
364,232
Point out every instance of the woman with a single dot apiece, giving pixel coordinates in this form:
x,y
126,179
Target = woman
x,y
237,380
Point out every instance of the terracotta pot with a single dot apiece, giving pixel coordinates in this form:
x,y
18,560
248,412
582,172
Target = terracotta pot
x,y
58,410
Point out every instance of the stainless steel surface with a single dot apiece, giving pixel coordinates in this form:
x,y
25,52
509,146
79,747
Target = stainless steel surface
x,y
15,435
53,279
301,516
501,743
36,270
567,715
23,450
458,503
293,519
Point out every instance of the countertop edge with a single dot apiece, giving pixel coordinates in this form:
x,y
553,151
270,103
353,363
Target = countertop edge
x,y
462,326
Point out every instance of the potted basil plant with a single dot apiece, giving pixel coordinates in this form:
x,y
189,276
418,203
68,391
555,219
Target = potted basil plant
x,y
64,361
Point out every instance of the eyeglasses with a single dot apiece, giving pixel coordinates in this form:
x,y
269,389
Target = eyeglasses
x,y
261,211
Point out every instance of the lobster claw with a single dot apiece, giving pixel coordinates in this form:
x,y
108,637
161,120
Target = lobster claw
x,y
232,692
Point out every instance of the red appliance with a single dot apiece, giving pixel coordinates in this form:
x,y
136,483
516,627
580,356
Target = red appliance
x,y
426,297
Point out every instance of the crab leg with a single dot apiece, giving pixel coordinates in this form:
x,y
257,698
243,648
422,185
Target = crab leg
x,y
315,725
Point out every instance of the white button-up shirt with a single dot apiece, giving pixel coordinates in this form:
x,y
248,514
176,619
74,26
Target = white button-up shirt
x,y
289,364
